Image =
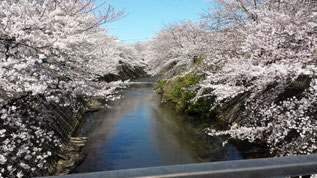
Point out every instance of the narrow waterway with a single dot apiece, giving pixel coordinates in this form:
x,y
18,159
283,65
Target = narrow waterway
x,y
138,131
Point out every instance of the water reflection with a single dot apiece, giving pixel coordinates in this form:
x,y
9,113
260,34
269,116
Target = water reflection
x,y
138,132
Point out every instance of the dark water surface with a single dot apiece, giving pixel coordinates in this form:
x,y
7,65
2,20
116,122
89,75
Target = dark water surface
x,y
140,132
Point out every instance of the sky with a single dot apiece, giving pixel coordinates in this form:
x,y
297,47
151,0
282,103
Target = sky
x,y
146,17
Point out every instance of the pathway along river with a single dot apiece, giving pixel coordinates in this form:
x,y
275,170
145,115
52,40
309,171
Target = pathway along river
x,y
139,131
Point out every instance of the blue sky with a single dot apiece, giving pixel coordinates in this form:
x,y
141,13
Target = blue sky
x,y
146,17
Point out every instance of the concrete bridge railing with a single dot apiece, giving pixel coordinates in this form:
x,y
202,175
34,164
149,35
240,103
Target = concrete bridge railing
x,y
266,167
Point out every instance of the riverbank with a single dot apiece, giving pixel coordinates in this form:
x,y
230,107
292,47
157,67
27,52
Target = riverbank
x,y
179,93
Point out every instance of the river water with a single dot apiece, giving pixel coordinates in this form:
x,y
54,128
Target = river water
x,y
138,131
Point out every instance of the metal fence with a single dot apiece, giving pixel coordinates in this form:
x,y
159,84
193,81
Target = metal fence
x,y
266,167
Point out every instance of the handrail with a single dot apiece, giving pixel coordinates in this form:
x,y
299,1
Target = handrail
x,y
264,167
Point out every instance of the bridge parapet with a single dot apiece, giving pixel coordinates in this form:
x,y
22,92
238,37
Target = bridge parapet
x,y
254,168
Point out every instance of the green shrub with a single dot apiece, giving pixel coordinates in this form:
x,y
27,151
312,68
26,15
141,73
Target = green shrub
x,y
160,85
179,92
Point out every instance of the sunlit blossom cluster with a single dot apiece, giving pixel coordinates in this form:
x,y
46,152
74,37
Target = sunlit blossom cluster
x,y
25,137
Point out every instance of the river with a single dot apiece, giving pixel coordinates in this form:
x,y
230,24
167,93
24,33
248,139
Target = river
x,y
139,131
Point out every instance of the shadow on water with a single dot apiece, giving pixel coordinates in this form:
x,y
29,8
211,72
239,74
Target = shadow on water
x,y
140,132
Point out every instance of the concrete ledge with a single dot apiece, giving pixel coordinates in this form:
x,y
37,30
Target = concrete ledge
x,y
266,167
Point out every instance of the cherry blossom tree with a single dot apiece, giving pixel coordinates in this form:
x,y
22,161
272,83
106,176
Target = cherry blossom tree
x,y
42,40
178,45
51,52
276,67
264,50
226,14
